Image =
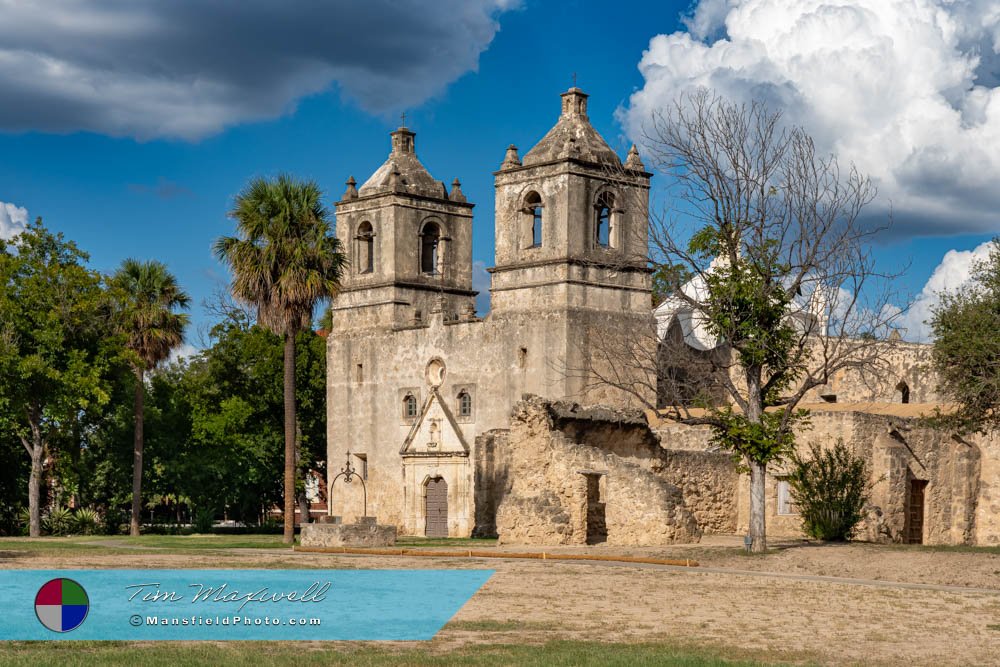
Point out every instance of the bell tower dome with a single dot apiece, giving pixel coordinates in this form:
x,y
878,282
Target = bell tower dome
x,y
409,241
571,222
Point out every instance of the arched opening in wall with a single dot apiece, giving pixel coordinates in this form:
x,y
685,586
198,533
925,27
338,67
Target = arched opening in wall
x,y
464,404
604,221
430,243
532,212
409,407
365,248
903,390
436,508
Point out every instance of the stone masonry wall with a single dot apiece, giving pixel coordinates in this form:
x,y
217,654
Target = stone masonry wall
x,y
537,474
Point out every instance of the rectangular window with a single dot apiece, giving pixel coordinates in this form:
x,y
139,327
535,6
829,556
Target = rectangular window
x,y
363,466
786,505
360,373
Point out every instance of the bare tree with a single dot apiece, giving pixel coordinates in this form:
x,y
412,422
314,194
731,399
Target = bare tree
x,y
770,288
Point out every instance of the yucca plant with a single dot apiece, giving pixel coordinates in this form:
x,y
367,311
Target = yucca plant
x,y
86,521
831,488
59,521
24,520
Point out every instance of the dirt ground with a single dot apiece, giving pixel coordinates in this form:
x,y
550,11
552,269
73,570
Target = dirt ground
x,y
732,600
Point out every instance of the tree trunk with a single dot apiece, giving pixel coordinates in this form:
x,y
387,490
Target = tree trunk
x,y
755,413
34,489
289,512
757,532
140,390
303,501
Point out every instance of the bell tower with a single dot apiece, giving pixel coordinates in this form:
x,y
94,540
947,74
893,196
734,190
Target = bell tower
x,y
409,241
571,222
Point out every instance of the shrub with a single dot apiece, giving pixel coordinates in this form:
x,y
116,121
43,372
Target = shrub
x,y
831,488
204,519
59,521
86,521
24,521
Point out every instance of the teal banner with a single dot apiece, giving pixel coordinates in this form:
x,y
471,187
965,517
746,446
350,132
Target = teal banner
x,y
232,604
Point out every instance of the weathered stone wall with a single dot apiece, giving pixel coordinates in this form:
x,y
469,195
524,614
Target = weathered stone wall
x,y
907,366
900,449
708,482
987,516
347,535
540,470
683,437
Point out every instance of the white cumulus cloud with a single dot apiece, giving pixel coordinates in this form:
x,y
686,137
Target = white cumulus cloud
x,y
182,352
13,220
952,273
189,68
909,90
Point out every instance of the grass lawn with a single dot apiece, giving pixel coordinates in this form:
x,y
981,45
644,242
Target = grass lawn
x,y
288,653
121,544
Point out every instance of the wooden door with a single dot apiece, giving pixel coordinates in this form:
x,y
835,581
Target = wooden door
x,y
915,512
436,508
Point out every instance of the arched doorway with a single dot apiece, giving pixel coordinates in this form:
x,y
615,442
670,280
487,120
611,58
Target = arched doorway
x,y
436,508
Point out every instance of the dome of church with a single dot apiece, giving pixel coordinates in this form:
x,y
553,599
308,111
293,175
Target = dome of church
x,y
403,172
572,136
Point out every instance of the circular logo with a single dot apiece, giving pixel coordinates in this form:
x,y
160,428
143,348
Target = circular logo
x,y
61,605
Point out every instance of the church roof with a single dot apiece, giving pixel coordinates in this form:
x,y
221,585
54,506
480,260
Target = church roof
x,y
403,172
572,136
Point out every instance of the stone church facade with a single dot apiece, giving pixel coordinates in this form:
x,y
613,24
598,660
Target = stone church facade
x,y
414,376
461,425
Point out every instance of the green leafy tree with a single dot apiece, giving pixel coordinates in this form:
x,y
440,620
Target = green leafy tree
x,y
55,347
284,261
782,284
831,488
145,297
966,354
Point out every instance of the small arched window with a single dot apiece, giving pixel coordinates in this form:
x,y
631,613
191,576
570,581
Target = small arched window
x,y
366,248
533,211
604,220
409,407
464,404
430,239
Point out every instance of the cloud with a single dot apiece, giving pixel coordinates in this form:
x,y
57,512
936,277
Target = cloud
x,y
13,220
188,69
481,281
183,352
953,272
909,90
164,189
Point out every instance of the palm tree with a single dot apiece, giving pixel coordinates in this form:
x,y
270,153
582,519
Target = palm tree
x,y
284,262
145,295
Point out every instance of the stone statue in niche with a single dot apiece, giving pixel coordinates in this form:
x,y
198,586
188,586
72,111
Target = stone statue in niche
x,y
435,434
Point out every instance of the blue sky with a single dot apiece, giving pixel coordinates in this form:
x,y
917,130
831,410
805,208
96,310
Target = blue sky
x,y
124,180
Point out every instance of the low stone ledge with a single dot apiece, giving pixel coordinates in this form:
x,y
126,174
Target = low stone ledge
x,y
347,535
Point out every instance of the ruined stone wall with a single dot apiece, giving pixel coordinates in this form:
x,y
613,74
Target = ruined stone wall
x,y
708,482
987,515
906,365
539,472
683,437
959,505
